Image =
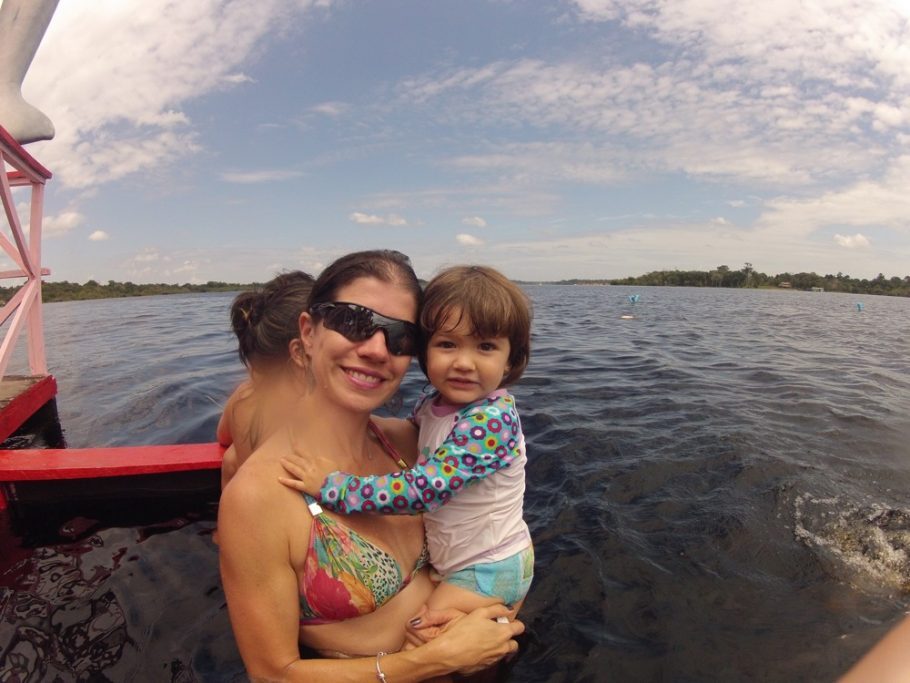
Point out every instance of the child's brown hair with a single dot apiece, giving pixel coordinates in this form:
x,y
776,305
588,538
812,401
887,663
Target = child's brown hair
x,y
265,319
494,305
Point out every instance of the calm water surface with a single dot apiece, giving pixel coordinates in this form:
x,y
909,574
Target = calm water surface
x,y
717,489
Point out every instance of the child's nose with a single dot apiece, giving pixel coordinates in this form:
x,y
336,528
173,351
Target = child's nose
x,y
464,360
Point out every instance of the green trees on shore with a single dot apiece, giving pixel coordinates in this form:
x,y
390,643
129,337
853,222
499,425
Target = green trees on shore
x,y
71,291
723,276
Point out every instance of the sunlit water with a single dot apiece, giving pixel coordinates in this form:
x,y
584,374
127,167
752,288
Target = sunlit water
x,y
717,489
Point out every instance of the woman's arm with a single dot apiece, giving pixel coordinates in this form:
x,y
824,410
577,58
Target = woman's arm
x,y
261,589
259,581
887,662
229,465
486,438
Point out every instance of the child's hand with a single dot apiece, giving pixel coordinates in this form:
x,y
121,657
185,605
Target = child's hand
x,y
307,473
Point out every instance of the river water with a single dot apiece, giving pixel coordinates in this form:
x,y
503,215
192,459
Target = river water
x,y
717,489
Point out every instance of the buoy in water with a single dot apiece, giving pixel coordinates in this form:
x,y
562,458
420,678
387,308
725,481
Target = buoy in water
x,y
627,316
859,305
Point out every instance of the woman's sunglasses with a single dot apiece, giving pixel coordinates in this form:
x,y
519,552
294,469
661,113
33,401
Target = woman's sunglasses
x,y
358,323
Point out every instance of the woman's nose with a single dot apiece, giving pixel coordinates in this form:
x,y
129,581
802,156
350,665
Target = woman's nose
x,y
375,346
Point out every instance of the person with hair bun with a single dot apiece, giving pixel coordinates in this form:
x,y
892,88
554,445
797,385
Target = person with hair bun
x,y
265,321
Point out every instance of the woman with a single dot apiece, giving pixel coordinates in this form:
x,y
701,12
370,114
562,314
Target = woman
x,y
344,587
887,662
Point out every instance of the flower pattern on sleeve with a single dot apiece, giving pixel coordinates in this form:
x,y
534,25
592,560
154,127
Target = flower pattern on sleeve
x,y
485,437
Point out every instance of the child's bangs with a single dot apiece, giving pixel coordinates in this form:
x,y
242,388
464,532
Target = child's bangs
x,y
488,312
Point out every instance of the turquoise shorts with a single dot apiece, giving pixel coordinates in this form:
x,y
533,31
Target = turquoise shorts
x,y
508,579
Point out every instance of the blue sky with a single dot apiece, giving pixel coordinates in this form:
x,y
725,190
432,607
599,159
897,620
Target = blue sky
x,y
228,140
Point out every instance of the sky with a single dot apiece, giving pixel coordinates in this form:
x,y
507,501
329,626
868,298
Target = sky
x,y
231,139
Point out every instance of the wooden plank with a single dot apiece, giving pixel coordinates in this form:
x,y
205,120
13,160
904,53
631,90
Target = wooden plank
x,y
40,464
23,397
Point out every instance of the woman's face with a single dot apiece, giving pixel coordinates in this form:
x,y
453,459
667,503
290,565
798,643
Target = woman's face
x,y
359,375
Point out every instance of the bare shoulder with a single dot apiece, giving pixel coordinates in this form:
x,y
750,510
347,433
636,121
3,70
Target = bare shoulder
x,y
243,391
247,493
256,510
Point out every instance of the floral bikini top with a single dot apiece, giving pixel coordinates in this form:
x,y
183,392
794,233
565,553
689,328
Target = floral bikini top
x,y
344,574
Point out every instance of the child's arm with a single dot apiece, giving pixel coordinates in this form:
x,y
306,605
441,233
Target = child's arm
x,y
223,431
486,438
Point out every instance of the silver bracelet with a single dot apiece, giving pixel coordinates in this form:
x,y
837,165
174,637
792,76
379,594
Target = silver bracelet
x,y
379,675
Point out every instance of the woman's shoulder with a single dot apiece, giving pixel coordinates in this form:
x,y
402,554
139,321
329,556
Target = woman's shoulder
x,y
255,484
402,434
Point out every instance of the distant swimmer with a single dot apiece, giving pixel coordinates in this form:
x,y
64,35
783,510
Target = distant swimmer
x,y
633,299
22,25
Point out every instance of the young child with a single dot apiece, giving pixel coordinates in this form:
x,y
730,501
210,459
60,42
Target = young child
x,y
469,477
266,322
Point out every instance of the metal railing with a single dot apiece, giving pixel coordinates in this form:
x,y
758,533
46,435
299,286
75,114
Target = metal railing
x,y
23,310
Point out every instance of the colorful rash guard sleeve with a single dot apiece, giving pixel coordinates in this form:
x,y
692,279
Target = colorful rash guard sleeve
x,y
485,437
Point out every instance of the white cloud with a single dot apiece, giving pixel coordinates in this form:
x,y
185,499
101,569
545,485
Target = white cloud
x,y
852,241
147,255
113,77
468,240
256,177
366,218
329,108
883,202
720,220
763,94
61,223
392,219
238,78
474,221
641,248
98,236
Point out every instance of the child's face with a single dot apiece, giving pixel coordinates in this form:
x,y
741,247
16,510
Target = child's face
x,y
465,368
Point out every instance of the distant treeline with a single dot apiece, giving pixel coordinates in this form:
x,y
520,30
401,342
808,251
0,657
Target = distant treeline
x,y
722,276
71,291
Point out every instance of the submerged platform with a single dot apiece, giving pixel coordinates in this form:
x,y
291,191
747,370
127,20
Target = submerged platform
x,y
21,397
36,476
41,464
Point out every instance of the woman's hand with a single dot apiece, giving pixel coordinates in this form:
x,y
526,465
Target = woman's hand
x,y
307,472
428,624
477,640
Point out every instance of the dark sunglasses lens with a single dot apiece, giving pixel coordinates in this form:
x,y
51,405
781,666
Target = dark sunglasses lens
x,y
401,339
355,324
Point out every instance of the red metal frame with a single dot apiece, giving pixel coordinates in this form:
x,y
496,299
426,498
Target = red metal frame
x,y
19,169
92,463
